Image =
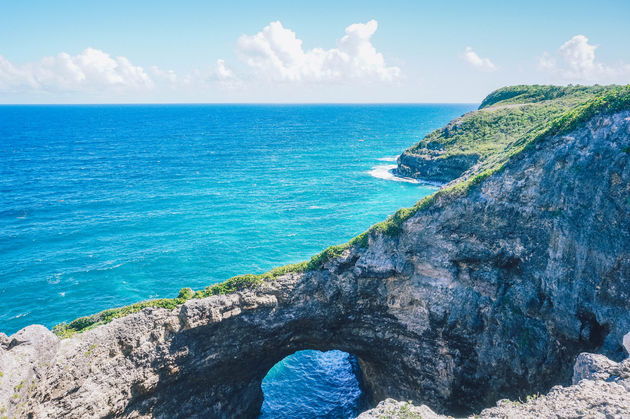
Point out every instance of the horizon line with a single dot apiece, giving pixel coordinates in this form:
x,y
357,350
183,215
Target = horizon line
x,y
235,103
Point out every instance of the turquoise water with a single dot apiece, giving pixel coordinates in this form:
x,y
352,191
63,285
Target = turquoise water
x,y
103,206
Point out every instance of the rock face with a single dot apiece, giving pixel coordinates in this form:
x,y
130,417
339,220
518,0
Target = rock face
x,y
601,389
479,297
434,167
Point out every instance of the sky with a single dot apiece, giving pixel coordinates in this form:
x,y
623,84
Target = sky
x,y
191,51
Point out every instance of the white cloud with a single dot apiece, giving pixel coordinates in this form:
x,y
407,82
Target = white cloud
x,y
576,62
579,54
483,64
223,72
276,53
164,76
91,70
546,62
10,76
220,74
95,72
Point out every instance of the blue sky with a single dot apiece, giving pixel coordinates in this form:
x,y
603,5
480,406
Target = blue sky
x,y
294,51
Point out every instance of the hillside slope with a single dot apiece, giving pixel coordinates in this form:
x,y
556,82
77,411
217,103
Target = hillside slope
x,y
481,138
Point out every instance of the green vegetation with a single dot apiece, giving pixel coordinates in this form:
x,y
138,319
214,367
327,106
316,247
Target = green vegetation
x,y
32,387
81,324
89,351
404,412
626,150
533,397
407,413
237,283
540,93
504,117
568,108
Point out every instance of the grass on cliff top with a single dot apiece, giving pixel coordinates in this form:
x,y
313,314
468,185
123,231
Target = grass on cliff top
x,y
505,116
540,93
237,283
614,99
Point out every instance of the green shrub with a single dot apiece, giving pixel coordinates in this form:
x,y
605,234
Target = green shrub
x,y
540,93
506,116
185,293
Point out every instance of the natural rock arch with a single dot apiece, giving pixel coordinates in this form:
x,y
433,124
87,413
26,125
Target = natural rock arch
x,y
486,295
303,313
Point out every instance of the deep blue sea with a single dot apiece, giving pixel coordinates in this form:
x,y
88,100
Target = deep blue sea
x,y
102,206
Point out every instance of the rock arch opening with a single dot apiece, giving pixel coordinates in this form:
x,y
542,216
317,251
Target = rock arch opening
x,y
311,383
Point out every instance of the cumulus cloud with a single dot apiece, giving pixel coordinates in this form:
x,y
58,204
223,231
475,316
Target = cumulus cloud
x,y
10,76
276,53
472,58
90,70
575,61
94,72
579,54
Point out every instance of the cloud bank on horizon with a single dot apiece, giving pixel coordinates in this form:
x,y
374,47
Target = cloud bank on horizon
x,y
275,56
90,70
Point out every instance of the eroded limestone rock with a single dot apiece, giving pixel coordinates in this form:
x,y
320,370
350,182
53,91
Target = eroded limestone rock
x,y
601,389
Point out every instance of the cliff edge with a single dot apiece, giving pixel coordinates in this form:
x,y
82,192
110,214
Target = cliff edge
x,y
479,139
489,289
601,389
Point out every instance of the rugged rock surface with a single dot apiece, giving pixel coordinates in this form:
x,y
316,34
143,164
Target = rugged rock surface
x,y
479,297
433,166
601,389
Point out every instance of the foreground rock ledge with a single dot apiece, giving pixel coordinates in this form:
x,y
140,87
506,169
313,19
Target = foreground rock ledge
x,y
480,297
601,390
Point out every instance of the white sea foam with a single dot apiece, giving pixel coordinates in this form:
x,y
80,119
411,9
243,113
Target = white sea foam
x,y
55,280
387,158
388,172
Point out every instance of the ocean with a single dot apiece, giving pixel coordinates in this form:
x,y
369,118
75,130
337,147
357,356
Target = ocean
x,y
107,205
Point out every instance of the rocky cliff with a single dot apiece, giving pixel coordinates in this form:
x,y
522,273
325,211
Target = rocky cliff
x,y
477,139
487,292
601,389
